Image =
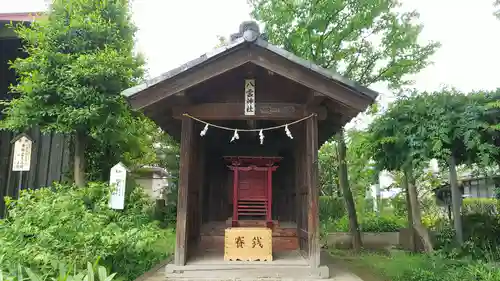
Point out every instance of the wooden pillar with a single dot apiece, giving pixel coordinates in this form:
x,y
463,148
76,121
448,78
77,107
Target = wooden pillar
x,y
235,195
183,191
311,175
269,219
300,191
201,185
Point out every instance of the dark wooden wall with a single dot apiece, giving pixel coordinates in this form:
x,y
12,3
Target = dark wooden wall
x,y
218,186
50,154
50,161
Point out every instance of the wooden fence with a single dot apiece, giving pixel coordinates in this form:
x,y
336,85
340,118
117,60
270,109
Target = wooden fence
x,y
50,159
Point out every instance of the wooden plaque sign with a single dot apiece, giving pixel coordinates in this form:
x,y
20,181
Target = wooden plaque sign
x,y
248,244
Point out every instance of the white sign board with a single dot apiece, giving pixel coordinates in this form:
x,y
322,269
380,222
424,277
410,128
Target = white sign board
x,y
22,154
117,181
249,97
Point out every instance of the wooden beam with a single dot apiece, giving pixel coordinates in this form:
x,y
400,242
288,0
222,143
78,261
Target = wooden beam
x,y
182,202
304,76
315,99
213,67
235,111
311,174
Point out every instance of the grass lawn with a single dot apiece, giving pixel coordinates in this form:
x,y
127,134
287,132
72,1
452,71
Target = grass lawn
x,y
403,266
356,264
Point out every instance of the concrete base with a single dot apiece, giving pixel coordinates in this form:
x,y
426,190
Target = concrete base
x,y
371,240
286,266
337,272
269,273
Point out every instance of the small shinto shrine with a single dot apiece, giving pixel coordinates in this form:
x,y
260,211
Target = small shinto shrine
x,y
252,190
249,117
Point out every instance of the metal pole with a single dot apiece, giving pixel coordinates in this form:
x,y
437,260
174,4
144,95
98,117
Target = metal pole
x,y
20,184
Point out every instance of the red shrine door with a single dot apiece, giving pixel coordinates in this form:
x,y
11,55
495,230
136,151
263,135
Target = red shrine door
x,y
252,187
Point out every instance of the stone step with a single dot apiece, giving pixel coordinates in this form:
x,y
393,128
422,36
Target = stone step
x,y
246,271
263,273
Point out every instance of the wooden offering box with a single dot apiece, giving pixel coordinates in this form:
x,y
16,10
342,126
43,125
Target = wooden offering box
x,y
248,244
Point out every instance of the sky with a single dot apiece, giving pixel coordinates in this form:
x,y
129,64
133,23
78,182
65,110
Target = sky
x,y
172,32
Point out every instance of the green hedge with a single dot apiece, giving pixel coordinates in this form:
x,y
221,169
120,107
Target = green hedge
x,y
487,206
481,230
369,223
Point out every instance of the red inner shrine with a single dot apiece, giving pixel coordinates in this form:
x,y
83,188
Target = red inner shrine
x,y
252,187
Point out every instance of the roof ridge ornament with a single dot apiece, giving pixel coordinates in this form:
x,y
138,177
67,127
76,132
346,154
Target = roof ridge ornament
x,y
249,31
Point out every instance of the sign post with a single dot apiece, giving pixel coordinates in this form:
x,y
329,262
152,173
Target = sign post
x,y
117,181
21,160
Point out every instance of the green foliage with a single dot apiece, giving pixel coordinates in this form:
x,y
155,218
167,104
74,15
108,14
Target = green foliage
x,y
339,35
370,223
328,169
360,171
419,127
417,267
93,272
75,225
167,150
481,227
366,41
486,206
134,148
331,208
80,58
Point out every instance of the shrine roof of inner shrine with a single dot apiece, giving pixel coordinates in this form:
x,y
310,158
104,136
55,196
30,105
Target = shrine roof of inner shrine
x,y
156,97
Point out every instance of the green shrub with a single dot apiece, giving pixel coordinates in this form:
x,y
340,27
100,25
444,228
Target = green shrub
x,y
481,234
370,223
487,206
70,225
64,273
417,267
331,208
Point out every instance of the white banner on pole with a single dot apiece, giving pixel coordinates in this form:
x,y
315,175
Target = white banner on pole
x,y
22,154
117,181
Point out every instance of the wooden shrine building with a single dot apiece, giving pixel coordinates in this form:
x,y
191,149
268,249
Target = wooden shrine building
x,y
249,177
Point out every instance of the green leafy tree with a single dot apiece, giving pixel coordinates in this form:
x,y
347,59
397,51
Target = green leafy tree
x,y
328,172
447,125
391,151
79,60
131,141
367,41
360,174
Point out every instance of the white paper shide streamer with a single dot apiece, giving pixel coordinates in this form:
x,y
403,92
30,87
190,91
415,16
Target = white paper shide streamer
x,y
287,132
235,136
204,132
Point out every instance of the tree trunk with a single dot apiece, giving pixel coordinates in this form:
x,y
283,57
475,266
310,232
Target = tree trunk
x,y
415,211
79,160
456,201
346,191
413,244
